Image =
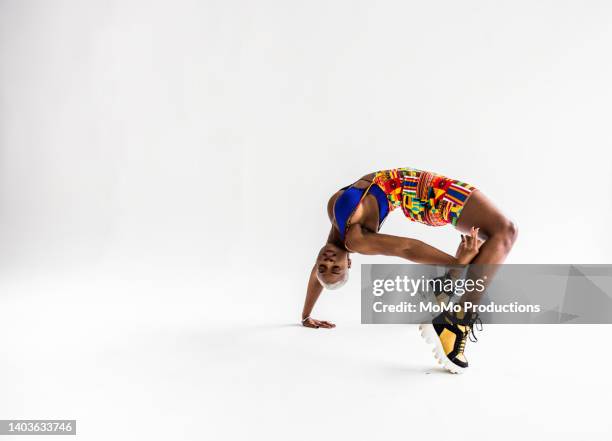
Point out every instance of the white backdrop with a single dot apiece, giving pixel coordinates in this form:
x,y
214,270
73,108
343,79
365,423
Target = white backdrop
x,y
168,163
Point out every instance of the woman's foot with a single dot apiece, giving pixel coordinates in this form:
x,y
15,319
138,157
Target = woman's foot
x,y
449,334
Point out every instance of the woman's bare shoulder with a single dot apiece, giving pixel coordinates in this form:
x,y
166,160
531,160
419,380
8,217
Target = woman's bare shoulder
x,y
331,203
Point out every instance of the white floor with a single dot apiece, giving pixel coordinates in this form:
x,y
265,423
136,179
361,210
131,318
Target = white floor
x,y
201,135
168,357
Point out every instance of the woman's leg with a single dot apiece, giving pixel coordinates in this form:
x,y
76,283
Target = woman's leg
x,y
450,331
499,233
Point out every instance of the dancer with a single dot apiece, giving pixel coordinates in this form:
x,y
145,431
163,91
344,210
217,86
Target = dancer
x,y
357,212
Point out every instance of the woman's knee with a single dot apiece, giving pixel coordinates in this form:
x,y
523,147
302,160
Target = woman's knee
x,y
508,233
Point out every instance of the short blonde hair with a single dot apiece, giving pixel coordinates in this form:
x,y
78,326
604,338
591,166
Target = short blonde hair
x,y
335,285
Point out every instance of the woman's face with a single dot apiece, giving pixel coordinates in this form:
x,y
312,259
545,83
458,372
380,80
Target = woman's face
x,y
332,264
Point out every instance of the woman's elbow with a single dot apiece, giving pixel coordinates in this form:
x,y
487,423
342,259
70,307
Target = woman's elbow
x,y
409,250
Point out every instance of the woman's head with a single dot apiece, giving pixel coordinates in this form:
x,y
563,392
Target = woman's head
x,y
332,266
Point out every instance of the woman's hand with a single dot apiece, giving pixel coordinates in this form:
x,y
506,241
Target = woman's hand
x,y
312,323
469,246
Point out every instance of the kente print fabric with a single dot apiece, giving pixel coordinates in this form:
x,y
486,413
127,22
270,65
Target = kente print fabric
x,y
425,197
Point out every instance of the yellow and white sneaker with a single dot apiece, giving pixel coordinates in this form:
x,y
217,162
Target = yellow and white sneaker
x,y
449,334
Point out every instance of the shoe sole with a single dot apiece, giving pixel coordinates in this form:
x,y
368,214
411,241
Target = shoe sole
x,y
430,336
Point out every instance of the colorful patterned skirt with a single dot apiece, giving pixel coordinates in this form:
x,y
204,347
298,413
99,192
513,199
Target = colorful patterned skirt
x,y
424,196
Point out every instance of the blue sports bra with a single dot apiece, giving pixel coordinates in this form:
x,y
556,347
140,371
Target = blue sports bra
x,y
347,203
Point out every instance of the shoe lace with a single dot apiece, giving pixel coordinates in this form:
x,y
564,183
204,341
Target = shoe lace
x,y
476,325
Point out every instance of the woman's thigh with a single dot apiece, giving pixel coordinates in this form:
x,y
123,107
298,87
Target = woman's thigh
x,y
479,211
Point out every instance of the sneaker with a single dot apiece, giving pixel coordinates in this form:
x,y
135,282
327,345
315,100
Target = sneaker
x,y
449,334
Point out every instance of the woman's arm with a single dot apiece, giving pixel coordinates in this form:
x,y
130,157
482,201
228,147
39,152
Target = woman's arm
x,y
312,294
365,242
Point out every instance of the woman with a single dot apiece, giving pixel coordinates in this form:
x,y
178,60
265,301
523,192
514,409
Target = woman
x,y
357,212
